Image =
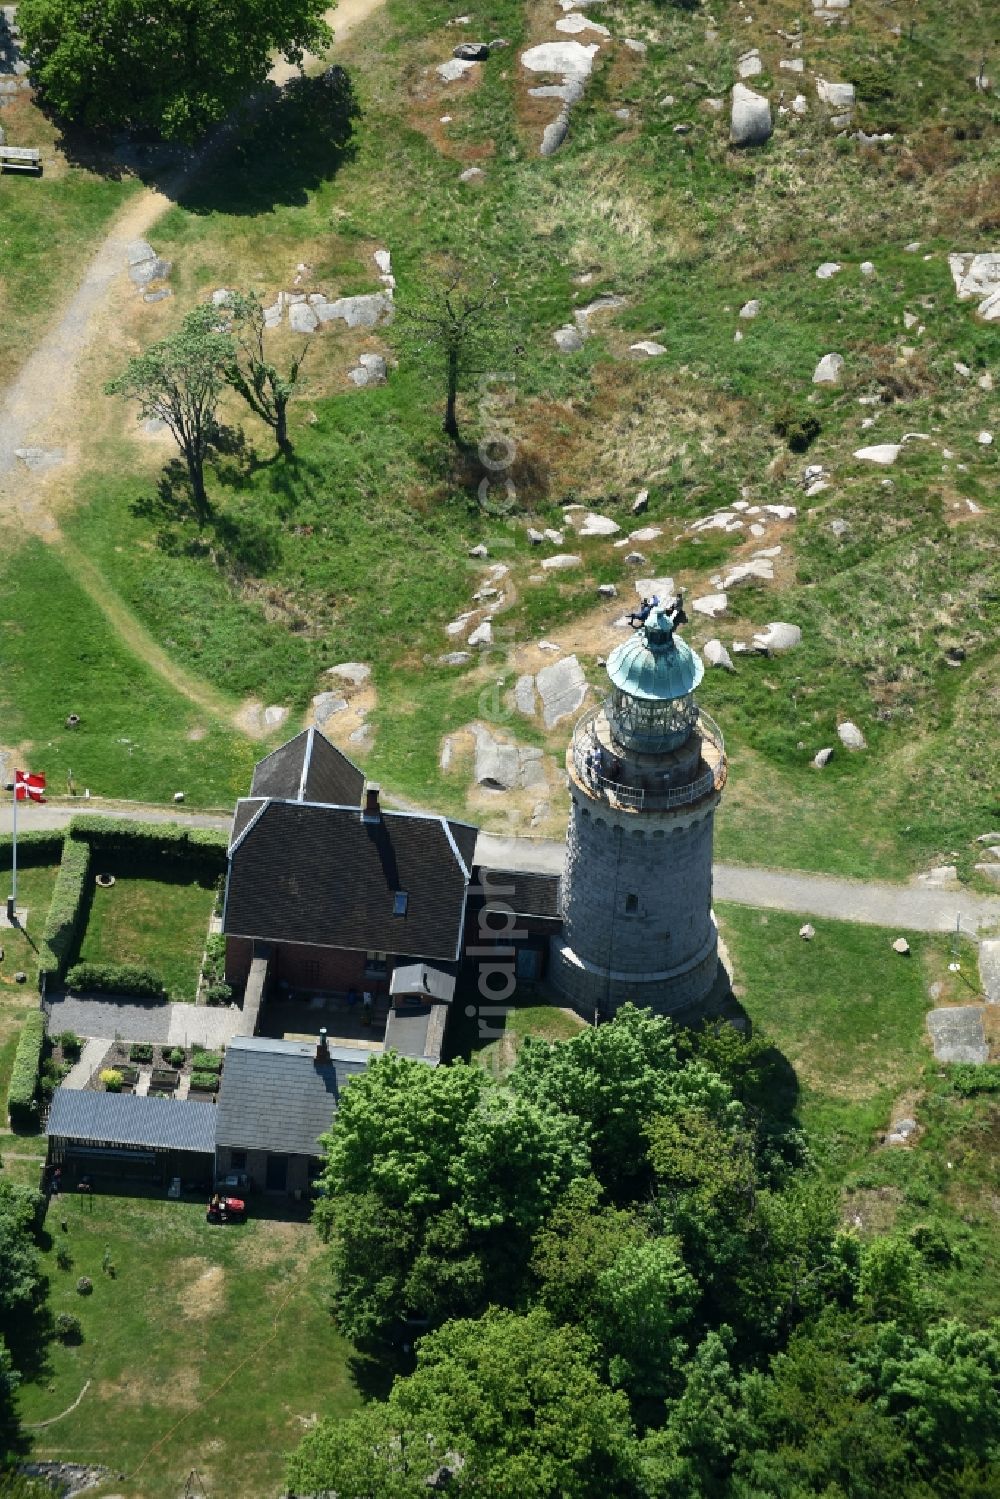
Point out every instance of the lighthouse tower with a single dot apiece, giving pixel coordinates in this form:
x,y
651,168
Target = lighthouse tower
x,y
646,773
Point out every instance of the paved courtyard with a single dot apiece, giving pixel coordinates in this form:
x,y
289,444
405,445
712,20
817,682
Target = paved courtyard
x,y
177,1025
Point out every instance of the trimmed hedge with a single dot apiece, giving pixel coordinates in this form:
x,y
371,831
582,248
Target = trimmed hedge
x,y
162,841
43,846
22,1096
62,925
116,978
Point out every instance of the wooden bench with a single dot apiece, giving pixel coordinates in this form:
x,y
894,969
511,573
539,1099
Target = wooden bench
x,y
20,159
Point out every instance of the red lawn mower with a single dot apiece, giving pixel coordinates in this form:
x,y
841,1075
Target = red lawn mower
x,y
225,1209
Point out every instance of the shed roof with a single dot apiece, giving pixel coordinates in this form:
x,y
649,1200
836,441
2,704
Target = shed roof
x,y
422,978
275,1097
126,1119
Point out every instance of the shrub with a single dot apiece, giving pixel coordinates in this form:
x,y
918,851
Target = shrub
x,y
62,924
71,1044
218,994
63,1258
85,1285
798,428
214,967
141,1051
968,1079
51,1076
116,978
22,1095
112,1079
176,1056
68,1327
206,1061
205,1082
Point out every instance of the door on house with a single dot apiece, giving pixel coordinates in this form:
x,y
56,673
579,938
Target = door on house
x,y
276,1178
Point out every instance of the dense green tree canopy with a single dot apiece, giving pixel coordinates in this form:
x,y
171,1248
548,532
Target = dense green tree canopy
x,y
173,66
656,1293
507,1406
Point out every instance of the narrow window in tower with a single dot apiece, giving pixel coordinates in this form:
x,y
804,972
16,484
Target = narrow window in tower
x,y
631,904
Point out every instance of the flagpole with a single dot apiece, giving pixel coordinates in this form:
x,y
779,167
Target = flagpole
x,y
12,903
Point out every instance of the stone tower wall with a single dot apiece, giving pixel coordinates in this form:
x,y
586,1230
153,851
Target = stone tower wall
x,y
637,898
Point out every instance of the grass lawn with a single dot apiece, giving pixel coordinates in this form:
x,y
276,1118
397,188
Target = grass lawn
x,y
148,920
848,1014
494,1040
138,737
846,1010
211,1349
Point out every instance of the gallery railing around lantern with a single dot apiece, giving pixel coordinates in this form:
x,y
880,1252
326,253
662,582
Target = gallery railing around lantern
x,y
641,793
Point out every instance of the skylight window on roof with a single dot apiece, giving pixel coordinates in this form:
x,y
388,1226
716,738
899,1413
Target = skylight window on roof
x,y
399,901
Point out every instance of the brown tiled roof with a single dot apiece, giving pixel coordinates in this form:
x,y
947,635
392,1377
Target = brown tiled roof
x,y
309,768
322,876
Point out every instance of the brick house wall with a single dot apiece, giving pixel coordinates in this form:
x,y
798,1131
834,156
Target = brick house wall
x,y
255,1163
330,969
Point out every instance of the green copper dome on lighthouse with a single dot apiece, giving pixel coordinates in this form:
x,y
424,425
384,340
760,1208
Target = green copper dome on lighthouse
x,y
655,665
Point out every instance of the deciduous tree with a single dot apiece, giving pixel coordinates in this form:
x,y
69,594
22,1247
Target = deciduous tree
x,y
173,66
456,323
510,1406
253,374
179,381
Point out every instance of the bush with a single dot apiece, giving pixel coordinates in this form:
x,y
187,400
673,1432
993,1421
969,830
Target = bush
x,y
62,924
71,1044
85,1285
214,967
206,1061
51,1076
218,994
968,1079
799,428
116,978
68,1327
22,1094
63,1258
176,1056
111,1079
205,1082
141,1051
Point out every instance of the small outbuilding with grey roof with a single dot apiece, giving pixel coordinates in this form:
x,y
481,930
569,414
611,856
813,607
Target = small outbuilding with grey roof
x,y
277,1098
131,1138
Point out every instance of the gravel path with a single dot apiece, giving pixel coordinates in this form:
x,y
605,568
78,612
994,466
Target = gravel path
x,y
175,1025
868,902
908,907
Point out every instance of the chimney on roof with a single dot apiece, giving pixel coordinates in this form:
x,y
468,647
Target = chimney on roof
x,y
372,812
322,1057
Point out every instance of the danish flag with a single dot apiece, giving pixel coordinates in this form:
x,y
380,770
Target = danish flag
x,y
28,787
